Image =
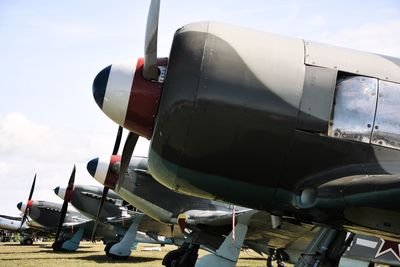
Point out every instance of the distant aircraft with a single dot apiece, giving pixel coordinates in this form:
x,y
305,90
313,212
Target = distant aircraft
x,y
293,127
44,216
115,215
70,227
13,224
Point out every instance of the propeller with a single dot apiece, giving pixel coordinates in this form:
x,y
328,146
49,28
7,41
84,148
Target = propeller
x,y
150,70
27,205
64,208
105,188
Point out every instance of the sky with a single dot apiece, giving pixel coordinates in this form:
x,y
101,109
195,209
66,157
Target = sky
x,y
50,51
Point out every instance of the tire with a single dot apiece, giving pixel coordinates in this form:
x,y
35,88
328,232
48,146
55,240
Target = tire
x,y
57,246
108,247
173,257
26,241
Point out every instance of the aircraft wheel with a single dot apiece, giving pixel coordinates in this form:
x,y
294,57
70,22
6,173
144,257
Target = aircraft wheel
x,y
190,257
26,241
108,247
173,257
57,246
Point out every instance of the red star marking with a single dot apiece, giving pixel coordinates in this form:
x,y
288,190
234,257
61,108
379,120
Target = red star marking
x,y
389,246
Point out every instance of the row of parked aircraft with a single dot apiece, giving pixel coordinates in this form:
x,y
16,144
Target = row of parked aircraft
x,y
281,145
166,217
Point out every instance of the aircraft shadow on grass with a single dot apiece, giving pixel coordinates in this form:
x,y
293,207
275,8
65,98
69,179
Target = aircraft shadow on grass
x,y
77,253
103,259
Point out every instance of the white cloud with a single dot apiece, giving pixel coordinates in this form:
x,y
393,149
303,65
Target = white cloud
x,y
28,147
18,135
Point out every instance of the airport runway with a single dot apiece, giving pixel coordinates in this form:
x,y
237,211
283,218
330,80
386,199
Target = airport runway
x,y
41,255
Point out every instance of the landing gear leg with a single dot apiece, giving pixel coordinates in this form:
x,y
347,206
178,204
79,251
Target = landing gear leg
x,y
228,253
69,245
280,259
122,249
325,249
269,261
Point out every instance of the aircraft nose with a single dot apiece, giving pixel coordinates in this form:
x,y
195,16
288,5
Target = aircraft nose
x,y
60,191
112,90
100,85
92,166
21,206
99,169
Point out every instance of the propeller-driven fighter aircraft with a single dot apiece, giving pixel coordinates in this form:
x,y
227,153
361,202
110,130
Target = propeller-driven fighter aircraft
x,y
13,224
44,216
289,126
86,199
204,222
69,226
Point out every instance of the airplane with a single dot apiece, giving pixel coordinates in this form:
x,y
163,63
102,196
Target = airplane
x,y
13,224
69,226
289,126
146,194
86,199
202,221
44,216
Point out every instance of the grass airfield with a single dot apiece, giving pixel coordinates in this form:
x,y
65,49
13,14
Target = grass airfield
x,y
40,254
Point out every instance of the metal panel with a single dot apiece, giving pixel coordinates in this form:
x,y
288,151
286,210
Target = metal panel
x,y
317,99
386,131
354,108
353,61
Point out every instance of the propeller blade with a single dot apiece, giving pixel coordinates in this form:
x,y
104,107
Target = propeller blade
x,y
61,219
29,198
103,197
32,188
150,70
65,204
127,152
23,218
117,141
105,189
72,178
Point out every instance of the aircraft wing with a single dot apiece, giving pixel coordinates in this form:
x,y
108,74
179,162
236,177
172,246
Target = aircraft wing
x,y
146,224
260,225
261,235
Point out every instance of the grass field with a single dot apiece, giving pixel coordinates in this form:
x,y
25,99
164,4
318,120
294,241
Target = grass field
x,y
41,255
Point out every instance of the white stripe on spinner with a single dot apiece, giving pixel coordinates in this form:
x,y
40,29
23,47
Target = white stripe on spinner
x,y
118,91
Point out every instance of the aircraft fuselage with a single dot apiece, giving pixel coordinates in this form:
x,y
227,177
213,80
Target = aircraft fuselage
x,y
266,122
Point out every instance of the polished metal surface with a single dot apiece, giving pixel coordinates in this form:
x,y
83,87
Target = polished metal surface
x,y
352,61
386,131
354,108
